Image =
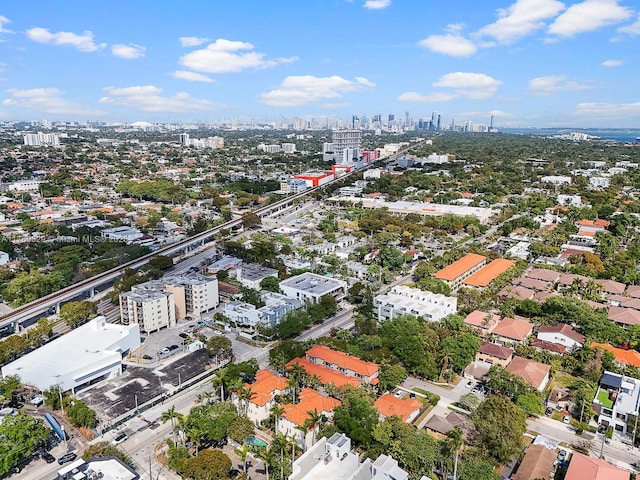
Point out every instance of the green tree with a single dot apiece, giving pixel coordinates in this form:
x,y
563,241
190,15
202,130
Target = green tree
x,y
391,375
171,415
475,467
250,219
530,403
462,348
80,414
240,428
357,417
20,436
106,449
207,465
77,313
271,284
219,346
500,426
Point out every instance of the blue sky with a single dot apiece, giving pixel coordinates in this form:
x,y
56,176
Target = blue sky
x,y
528,62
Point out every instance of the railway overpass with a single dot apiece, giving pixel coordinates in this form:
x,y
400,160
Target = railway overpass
x,y
88,286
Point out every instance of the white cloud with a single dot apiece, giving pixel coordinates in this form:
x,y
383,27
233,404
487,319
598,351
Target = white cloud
x,y
377,4
224,56
612,63
3,22
128,52
148,98
633,29
193,41
304,89
520,19
452,44
46,100
587,16
474,86
83,42
191,76
616,111
545,86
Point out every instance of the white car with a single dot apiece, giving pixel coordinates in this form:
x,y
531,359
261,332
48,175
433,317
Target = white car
x,y
398,394
121,437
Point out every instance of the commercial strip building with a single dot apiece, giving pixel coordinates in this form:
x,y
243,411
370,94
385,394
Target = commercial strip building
x,y
90,353
404,300
160,303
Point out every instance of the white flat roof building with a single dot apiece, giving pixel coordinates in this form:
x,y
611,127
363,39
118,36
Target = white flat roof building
x,y
104,468
311,287
420,208
91,352
403,300
333,458
148,306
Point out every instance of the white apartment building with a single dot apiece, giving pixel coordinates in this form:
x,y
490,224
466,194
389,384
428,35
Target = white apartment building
x,y
310,287
148,306
122,234
41,139
269,148
247,315
160,303
250,275
556,180
599,182
289,148
25,185
333,458
617,402
194,293
403,300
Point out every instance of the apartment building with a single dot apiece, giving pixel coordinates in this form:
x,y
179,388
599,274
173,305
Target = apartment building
x,y
194,293
310,287
403,300
348,365
149,306
455,273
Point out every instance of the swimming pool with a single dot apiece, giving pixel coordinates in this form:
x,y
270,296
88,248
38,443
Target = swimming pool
x,y
254,441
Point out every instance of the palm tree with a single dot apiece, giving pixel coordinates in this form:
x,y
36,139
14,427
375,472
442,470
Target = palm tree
x,y
303,429
280,444
446,360
268,457
293,385
313,420
277,410
242,453
244,395
204,397
195,434
221,376
171,415
455,441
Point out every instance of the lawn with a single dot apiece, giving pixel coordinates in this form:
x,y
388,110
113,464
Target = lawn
x,y
603,398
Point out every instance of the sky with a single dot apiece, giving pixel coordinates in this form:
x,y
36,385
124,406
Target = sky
x,y
544,63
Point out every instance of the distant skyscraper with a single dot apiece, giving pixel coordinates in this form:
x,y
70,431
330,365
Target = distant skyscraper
x,y
183,138
439,126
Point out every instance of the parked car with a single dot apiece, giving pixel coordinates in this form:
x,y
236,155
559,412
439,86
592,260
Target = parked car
x,y
548,411
566,419
562,455
66,458
468,385
47,457
398,394
121,437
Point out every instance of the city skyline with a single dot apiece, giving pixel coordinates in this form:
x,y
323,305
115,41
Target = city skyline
x,y
540,63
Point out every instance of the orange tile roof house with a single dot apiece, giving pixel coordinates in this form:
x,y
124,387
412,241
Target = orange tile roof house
x,y
461,269
622,357
488,273
535,374
582,467
296,415
544,275
266,385
513,330
365,372
407,409
483,321
537,463
326,375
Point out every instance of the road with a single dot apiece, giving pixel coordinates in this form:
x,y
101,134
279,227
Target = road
x,y
616,452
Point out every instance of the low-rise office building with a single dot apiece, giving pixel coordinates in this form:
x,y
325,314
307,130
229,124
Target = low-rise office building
x,y
310,287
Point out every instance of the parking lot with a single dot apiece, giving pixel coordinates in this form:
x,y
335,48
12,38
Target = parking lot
x,y
138,384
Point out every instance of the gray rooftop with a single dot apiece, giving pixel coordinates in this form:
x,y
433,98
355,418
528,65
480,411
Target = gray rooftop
x,y
312,283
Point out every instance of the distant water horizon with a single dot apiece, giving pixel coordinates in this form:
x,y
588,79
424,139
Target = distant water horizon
x,y
614,134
